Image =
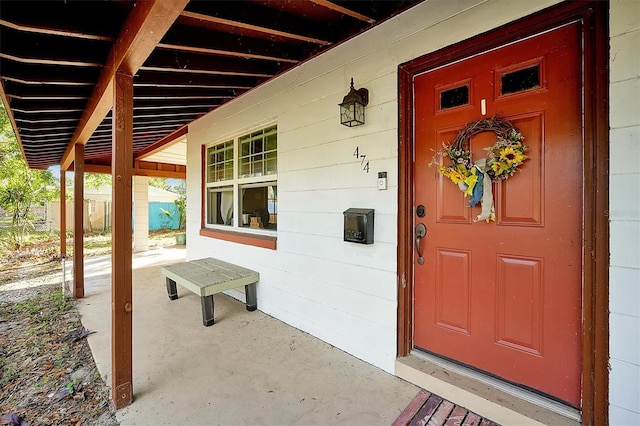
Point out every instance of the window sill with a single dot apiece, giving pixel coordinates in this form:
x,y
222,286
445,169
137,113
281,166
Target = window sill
x,y
264,241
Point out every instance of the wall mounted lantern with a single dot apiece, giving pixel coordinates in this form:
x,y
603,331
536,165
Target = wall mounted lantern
x,y
352,106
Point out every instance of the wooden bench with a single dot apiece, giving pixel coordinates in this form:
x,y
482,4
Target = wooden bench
x,y
206,277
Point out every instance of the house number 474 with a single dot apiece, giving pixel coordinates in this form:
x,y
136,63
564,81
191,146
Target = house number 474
x,y
364,163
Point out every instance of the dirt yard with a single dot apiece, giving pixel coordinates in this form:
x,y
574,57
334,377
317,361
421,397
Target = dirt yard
x,y
47,373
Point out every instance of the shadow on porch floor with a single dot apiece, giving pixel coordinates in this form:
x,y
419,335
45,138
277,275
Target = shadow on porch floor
x,y
246,369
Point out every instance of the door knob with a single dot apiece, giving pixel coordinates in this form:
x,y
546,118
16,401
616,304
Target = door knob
x,y
421,232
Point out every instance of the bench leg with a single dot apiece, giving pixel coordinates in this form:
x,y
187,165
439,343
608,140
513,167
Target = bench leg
x,y
207,310
251,296
171,289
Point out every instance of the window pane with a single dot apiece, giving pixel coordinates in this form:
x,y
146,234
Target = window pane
x,y
256,163
256,148
257,203
259,206
220,162
454,97
245,169
272,144
244,147
272,163
220,206
520,80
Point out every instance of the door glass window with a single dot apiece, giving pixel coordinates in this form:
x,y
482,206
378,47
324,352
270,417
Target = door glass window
x,y
519,80
455,97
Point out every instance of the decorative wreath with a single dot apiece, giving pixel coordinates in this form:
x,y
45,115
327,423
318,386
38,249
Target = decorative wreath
x,y
475,178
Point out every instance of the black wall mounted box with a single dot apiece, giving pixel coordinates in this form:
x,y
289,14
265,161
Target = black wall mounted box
x,y
358,225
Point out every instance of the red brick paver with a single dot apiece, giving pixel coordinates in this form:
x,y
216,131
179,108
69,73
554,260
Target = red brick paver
x,y
427,409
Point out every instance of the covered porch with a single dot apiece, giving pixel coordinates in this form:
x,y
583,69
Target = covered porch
x,y
219,75
248,368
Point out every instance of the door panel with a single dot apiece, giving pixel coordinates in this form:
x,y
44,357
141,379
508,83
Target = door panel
x,y
452,303
520,201
505,296
519,303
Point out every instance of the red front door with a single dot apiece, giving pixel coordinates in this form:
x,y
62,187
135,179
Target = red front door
x,y
505,296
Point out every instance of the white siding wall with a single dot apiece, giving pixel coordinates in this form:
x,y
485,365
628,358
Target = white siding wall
x,y
140,213
624,214
344,293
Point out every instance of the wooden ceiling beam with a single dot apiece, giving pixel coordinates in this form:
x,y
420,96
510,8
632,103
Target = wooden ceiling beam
x,y
166,122
63,113
145,27
48,83
170,79
48,136
256,74
344,10
69,19
150,133
42,61
34,92
184,92
209,45
234,54
251,27
52,31
184,62
53,127
143,168
147,105
60,76
18,104
54,48
200,40
143,30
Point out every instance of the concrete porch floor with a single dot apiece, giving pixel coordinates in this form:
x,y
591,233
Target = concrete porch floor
x,y
246,369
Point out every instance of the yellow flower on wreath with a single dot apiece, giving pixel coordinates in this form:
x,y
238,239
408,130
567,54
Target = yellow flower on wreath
x,y
500,167
460,174
456,174
470,181
512,155
503,160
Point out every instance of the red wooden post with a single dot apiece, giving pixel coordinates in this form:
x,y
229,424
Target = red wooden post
x,y
78,222
121,240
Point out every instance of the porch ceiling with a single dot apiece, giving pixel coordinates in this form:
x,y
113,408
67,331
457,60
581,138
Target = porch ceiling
x,y
57,59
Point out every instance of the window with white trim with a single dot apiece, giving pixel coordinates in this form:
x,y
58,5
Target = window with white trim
x,y
242,181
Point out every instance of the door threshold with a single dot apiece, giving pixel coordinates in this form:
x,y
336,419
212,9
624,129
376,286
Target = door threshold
x,y
487,396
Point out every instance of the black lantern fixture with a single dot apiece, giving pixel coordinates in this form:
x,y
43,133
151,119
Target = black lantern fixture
x,y
352,106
